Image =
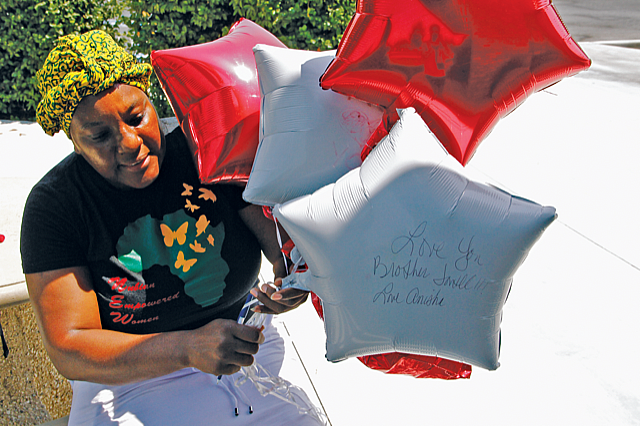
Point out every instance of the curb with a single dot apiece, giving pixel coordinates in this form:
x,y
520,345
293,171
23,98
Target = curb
x,y
631,44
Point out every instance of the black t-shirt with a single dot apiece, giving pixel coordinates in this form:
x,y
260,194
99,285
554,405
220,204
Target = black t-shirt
x,y
174,255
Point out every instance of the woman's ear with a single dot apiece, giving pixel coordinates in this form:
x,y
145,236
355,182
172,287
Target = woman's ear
x,y
75,147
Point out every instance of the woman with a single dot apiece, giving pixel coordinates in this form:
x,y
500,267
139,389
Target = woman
x,y
136,271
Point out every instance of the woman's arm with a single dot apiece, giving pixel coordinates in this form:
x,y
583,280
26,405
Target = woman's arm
x,y
67,312
274,301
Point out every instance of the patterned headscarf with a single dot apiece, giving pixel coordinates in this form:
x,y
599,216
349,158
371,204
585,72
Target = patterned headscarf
x,y
81,66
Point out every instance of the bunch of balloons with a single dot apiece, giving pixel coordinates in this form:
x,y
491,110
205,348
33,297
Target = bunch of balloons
x,y
360,155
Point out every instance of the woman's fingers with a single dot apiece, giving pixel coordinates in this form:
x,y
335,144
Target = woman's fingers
x,y
223,346
276,301
248,334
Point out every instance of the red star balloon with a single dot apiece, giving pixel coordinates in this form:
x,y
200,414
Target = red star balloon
x,y
462,64
213,90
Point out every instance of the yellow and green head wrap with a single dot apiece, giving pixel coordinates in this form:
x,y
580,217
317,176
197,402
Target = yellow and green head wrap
x,y
80,66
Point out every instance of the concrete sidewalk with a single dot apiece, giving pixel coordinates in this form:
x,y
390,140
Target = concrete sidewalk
x,y
570,338
570,328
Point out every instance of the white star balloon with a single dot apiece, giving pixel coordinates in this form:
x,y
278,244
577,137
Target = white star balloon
x,y
309,137
409,255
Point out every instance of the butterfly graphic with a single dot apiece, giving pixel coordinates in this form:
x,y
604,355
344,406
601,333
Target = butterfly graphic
x,y
210,239
180,235
197,247
183,263
187,190
191,207
201,225
207,195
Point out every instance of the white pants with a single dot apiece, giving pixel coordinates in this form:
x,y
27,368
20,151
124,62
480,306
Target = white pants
x,y
188,397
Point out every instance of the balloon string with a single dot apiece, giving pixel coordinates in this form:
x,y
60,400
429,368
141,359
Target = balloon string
x,y
286,265
268,384
296,265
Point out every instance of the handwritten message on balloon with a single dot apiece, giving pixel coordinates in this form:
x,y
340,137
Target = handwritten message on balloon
x,y
425,268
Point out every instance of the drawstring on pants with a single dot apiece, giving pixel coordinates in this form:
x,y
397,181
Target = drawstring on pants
x,y
229,388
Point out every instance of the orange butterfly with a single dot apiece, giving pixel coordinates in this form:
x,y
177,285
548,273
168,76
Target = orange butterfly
x,y
191,207
183,263
180,235
210,239
197,247
201,225
207,194
187,190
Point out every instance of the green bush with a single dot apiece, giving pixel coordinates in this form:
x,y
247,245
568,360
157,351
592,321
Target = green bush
x,y
157,25
30,30
308,25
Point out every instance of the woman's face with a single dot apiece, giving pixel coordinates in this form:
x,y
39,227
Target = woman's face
x,y
117,132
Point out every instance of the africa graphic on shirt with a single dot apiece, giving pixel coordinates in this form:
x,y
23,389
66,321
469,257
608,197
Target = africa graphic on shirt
x,y
190,247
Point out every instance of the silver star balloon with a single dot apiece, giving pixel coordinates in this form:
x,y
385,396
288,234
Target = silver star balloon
x,y
309,137
410,255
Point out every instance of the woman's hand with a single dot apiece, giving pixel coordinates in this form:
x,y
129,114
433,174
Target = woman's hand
x,y
223,346
276,301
